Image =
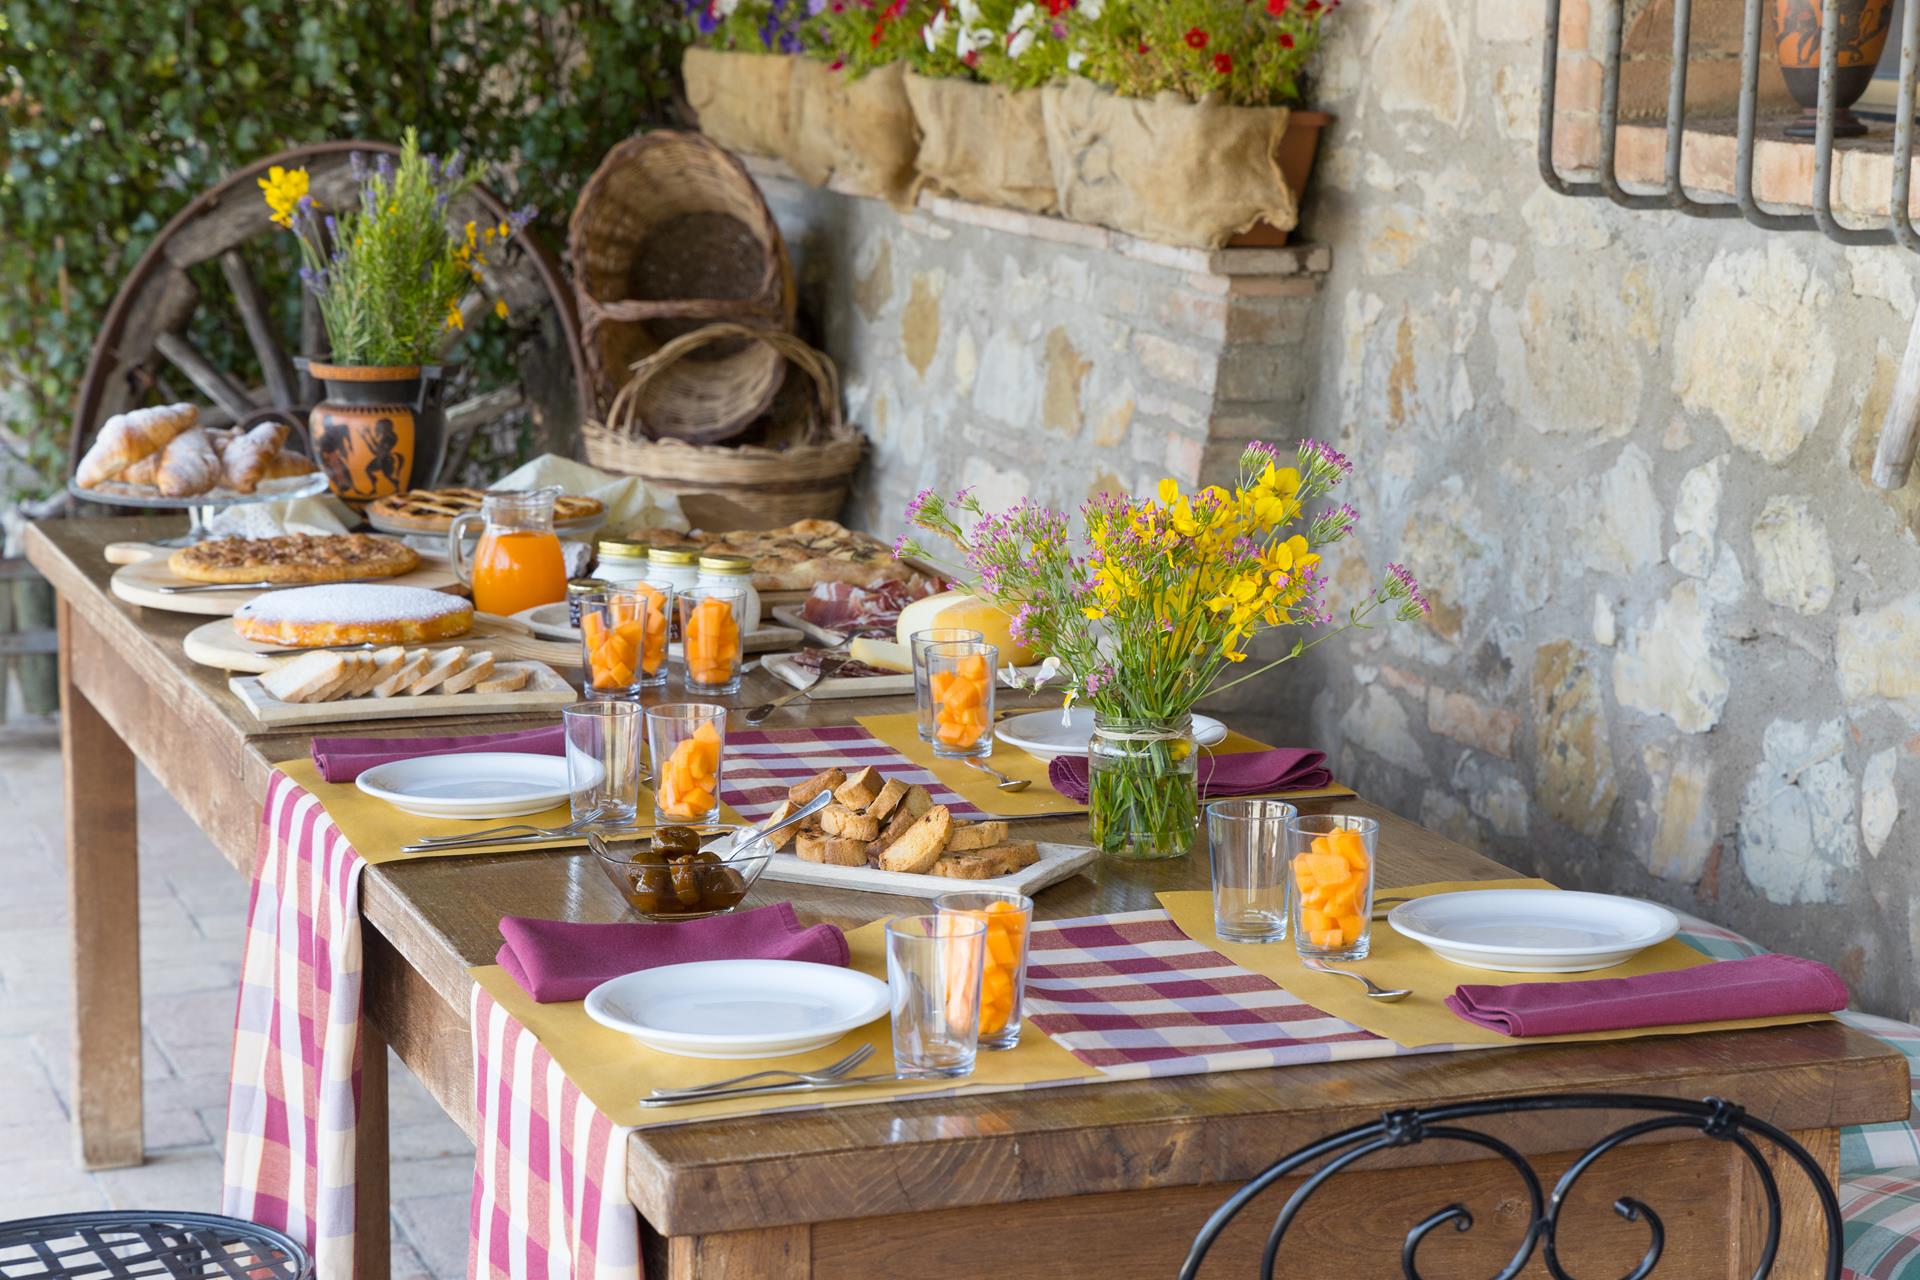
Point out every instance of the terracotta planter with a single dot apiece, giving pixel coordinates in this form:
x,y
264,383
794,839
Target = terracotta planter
x,y
1862,34
1299,147
743,100
979,142
380,430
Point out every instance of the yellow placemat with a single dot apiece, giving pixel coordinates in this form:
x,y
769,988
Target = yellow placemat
x,y
1422,1018
376,829
614,1070
902,733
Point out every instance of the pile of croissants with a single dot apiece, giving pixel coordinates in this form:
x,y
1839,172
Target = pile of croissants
x,y
165,449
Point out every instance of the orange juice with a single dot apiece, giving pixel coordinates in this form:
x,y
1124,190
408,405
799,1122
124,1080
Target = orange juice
x,y
515,569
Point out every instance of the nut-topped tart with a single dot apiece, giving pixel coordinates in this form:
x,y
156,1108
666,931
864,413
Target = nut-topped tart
x,y
294,558
433,510
352,613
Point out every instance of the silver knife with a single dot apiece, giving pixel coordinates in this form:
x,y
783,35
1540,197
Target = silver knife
x,y
765,709
749,1091
249,586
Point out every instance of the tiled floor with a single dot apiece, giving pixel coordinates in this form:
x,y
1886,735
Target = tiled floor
x,y
191,917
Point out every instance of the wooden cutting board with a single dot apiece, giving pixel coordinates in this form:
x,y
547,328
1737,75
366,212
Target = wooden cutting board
x,y
217,644
544,688
141,582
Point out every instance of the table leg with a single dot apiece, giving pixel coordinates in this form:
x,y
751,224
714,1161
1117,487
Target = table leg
x,y
103,903
1803,1233
372,1213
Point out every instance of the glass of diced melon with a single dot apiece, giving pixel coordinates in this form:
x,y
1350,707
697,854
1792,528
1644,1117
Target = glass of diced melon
x,y
1003,978
687,742
712,637
960,681
917,645
1331,860
1247,844
623,639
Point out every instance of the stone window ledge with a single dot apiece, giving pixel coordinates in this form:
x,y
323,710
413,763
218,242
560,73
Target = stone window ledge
x,y
1307,264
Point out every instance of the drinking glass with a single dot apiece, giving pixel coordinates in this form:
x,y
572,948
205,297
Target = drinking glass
x,y
960,680
712,636
687,741
922,697
603,761
1331,857
623,637
1003,978
933,975
1247,842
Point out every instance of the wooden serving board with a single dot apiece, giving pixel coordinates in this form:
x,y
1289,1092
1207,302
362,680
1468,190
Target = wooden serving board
x,y
544,688
1057,862
217,644
787,667
791,616
141,582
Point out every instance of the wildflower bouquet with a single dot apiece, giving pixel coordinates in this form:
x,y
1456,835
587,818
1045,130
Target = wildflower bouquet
x,y
1157,609
389,273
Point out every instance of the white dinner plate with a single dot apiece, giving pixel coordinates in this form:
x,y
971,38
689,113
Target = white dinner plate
x,y
1534,930
738,1008
1041,733
480,784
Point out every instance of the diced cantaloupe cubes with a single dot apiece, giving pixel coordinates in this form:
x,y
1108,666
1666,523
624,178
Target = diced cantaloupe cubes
x,y
625,637
960,702
690,779
712,642
1331,880
1006,942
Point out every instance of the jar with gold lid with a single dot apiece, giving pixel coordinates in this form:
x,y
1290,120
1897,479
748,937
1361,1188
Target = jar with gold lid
x,y
621,561
733,573
676,567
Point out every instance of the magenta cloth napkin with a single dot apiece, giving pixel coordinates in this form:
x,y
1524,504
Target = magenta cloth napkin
x,y
1755,987
344,759
1243,773
560,960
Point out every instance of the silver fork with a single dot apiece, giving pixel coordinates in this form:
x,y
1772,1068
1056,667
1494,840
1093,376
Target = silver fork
x,y
824,1075
512,831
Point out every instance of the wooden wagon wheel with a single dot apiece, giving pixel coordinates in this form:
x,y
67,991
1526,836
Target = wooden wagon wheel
x,y
144,350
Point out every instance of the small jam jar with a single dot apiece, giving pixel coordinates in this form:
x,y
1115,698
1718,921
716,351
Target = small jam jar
x,y
621,561
734,572
676,567
578,589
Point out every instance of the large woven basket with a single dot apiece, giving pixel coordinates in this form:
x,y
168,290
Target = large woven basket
x,y
671,234
805,472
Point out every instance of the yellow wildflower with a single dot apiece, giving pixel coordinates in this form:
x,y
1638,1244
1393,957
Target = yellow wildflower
x,y
454,318
500,307
284,189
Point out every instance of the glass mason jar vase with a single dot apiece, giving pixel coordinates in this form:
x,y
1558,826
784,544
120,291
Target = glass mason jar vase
x,y
1143,790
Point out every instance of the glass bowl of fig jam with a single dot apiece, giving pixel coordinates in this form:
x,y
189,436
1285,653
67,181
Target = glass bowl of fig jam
x,y
664,875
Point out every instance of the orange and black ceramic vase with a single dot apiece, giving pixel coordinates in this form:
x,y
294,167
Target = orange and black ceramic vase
x,y
1862,33
380,430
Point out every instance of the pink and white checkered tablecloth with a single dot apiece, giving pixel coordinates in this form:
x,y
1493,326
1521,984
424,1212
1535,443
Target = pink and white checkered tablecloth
x,y
763,763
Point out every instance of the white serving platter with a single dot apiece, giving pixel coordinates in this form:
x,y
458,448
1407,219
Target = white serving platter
x,y
1047,734
217,644
479,784
1533,930
738,1008
143,583
545,687
1057,862
551,622
787,667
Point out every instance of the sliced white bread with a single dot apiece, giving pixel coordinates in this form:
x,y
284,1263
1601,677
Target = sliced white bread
x,y
298,679
385,663
505,680
442,666
352,667
412,668
478,667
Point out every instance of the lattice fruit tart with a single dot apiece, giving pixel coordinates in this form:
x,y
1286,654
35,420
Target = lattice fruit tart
x,y
292,558
433,510
342,613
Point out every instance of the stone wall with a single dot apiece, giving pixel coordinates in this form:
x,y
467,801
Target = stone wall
x,y
1675,649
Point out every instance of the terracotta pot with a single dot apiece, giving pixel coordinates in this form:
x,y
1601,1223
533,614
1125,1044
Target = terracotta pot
x,y
1299,146
1862,33
380,430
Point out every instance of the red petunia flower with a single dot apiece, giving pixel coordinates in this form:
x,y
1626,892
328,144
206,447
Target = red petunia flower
x,y
970,57
1143,46
1196,38
1286,41
1057,7
1278,8
879,33
1223,63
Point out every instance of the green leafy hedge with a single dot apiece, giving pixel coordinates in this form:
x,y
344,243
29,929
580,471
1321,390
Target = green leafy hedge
x,y
117,112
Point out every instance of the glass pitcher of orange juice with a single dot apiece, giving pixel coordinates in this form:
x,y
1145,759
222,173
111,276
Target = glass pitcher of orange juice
x,y
518,563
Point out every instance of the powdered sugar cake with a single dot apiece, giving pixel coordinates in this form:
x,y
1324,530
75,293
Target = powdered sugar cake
x,y
352,613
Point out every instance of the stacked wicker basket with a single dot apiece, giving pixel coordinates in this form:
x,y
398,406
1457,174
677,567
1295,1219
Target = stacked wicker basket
x,y
687,304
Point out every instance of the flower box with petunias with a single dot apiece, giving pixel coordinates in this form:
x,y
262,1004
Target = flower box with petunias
x,y
1153,604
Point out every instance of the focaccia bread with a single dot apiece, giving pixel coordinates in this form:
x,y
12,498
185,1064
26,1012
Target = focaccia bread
x,y
294,558
352,613
802,555
433,510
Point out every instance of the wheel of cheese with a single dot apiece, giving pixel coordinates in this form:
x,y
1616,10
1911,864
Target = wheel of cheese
x,y
958,609
352,613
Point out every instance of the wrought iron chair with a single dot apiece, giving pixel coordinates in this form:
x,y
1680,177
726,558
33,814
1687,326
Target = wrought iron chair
x,y
1714,1117
119,1245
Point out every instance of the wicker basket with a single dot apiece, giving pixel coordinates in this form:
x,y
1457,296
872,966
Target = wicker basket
x,y
742,486
671,234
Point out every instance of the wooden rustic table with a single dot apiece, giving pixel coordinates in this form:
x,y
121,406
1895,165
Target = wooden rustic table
x,y
1105,1180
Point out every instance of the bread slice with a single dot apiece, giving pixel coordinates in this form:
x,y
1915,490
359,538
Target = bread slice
x,y
975,835
441,666
478,667
505,680
858,791
354,666
838,820
825,780
298,679
987,863
385,663
923,844
414,666
837,851
882,806
782,838
917,800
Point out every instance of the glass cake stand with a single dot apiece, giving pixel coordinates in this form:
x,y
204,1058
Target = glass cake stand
x,y
201,507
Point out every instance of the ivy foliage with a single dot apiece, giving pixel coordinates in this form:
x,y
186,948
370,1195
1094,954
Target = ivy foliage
x,y
118,112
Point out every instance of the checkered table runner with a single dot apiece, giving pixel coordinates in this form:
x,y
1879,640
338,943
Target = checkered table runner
x,y
762,764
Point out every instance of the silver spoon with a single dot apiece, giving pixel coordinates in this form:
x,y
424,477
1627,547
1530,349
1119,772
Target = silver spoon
x,y
1374,990
831,1072
1005,783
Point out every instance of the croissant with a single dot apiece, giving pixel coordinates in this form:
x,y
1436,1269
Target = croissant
x,y
188,466
284,464
245,459
126,438
146,471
